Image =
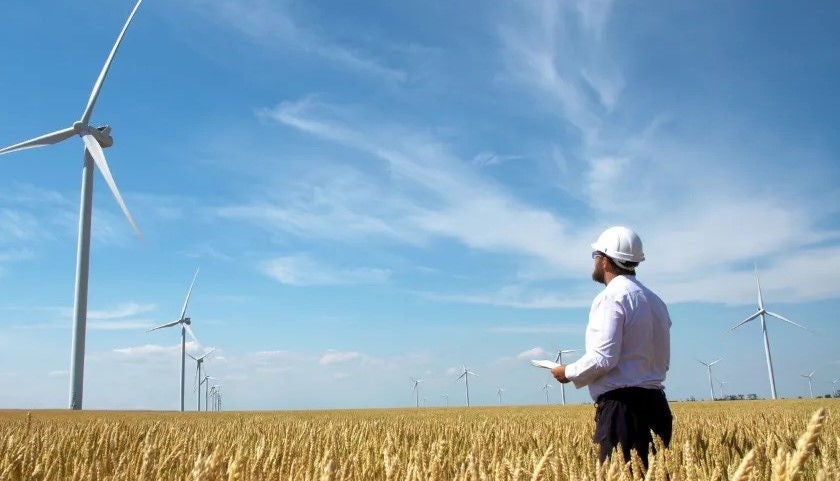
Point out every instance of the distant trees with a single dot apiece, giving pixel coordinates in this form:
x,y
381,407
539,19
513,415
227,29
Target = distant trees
x,y
738,397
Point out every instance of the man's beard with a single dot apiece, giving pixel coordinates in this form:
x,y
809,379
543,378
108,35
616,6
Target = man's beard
x,y
598,274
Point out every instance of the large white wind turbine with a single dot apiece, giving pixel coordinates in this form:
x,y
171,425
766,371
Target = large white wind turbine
x,y
560,360
709,368
198,380
416,389
761,313
185,322
810,381
94,139
545,388
499,393
466,376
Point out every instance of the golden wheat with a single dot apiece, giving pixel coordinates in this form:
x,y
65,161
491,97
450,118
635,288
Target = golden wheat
x,y
752,440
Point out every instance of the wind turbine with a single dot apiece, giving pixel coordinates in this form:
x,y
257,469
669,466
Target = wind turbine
x,y
721,384
185,322
709,367
761,313
198,362
94,139
416,389
499,393
545,388
560,360
466,376
446,397
810,381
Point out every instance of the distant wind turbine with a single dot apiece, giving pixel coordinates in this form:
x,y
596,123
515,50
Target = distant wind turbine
x,y
466,376
446,398
545,388
761,313
198,362
94,139
416,389
206,381
721,383
560,360
810,381
185,322
709,368
499,393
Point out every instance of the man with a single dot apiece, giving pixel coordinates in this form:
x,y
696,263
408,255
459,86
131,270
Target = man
x,y
627,351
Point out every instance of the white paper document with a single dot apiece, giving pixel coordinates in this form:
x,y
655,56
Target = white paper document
x,y
544,363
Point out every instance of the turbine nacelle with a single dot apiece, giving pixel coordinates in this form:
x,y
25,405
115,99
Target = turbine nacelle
x,y
101,134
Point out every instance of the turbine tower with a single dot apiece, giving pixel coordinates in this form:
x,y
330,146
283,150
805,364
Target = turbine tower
x,y
198,362
94,139
761,313
545,388
185,322
466,376
499,393
709,368
416,389
560,360
810,382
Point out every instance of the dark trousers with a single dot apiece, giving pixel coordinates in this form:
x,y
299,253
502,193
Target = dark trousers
x,y
625,417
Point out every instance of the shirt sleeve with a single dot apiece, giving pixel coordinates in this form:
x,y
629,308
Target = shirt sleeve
x,y
603,343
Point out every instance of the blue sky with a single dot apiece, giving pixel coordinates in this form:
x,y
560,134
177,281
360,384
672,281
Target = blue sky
x,y
394,189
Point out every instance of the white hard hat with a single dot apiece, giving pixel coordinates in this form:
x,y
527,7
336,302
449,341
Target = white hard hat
x,y
620,244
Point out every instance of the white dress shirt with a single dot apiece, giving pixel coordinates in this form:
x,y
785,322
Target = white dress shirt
x,y
628,341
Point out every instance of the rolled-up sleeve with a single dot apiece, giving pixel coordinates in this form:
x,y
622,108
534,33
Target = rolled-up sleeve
x,y
603,342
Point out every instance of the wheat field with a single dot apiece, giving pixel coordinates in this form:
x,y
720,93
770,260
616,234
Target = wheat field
x,y
743,440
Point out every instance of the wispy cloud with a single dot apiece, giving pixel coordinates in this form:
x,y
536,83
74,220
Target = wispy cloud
x,y
533,353
273,25
119,312
537,329
338,357
301,270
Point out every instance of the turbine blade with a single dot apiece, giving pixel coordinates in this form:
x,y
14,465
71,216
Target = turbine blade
x,y
746,321
192,357
703,363
470,372
462,375
168,324
98,156
191,333
46,139
189,293
777,316
94,93
715,362
206,354
760,295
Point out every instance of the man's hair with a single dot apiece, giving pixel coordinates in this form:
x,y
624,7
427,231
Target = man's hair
x,y
629,270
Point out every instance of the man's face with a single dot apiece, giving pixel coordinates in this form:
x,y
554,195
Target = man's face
x,y
598,268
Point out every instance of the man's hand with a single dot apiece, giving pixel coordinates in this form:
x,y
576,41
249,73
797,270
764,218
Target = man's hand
x,y
559,373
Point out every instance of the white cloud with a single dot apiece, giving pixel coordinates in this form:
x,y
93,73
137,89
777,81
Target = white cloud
x,y
538,329
301,270
55,374
338,357
533,353
119,312
120,325
272,25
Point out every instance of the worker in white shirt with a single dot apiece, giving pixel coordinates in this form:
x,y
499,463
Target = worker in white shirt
x,y
627,351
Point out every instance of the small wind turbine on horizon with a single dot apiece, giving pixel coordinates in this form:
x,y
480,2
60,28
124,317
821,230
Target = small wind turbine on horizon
x,y
198,362
206,382
810,382
761,313
185,322
94,139
499,393
560,360
416,389
446,398
721,383
709,368
545,388
466,376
